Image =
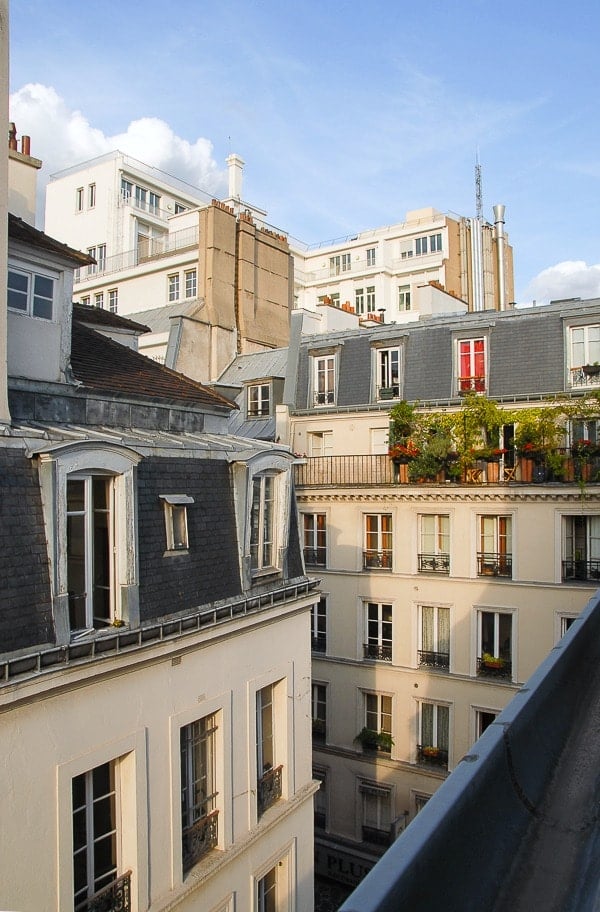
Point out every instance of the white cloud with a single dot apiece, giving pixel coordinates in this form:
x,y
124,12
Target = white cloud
x,y
569,279
62,137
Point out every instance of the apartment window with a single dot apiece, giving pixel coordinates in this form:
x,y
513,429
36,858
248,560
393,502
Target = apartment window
x,y
378,542
495,644
428,244
99,299
483,720
378,631
79,199
434,636
585,355
388,373
179,208
319,712
141,197
371,256
91,196
90,549
566,621
340,263
434,543
95,802
31,293
318,625
259,400
378,713
98,252
268,892
376,813
262,545
321,804
153,202
126,189
434,722
85,300
315,539
199,816
269,775
324,380
320,443
113,300
175,507
173,287
581,548
359,301
370,299
471,366
191,283
494,557
404,297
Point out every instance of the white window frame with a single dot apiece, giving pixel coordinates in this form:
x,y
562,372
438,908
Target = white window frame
x,y
404,298
29,295
85,300
371,256
176,525
173,287
126,188
79,199
437,725
324,379
376,809
439,638
113,300
273,886
378,541
141,197
370,299
378,708
434,542
191,283
91,196
319,706
378,630
153,202
199,791
388,372
359,300
258,400
99,300
495,530
320,443
475,380
341,262
582,352
314,530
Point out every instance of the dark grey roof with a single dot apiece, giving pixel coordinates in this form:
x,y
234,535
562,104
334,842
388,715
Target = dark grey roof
x,y
526,353
256,366
158,319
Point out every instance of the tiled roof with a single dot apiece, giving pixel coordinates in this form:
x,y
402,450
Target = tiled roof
x,y
83,313
18,230
102,364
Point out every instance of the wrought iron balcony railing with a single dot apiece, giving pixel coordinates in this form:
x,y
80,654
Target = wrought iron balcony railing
x,y
494,564
494,667
581,570
318,643
344,471
315,557
377,560
434,659
436,756
115,897
199,839
327,398
434,563
378,651
376,837
268,789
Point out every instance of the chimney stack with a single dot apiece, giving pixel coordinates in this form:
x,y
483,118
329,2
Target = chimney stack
x,y
499,226
236,167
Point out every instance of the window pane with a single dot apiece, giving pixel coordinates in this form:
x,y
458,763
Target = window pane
x,y
17,290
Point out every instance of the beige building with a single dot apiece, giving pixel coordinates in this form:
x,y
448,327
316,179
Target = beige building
x,y
208,277
440,596
391,271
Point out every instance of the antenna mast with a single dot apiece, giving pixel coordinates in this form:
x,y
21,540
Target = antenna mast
x,y
478,193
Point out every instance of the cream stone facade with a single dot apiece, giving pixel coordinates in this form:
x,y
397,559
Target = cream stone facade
x,y
389,272
439,597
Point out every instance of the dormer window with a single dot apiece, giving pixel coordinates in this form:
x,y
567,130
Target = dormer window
x,y
31,293
175,506
584,355
471,366
324,380
259,400
388,373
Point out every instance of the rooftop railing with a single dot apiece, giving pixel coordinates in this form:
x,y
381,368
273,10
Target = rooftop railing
x,y
344,471
146,251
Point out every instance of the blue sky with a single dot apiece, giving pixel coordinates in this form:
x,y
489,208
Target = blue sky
x,y
347,114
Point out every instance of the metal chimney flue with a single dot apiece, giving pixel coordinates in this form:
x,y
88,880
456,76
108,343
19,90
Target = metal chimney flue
x,y
499,210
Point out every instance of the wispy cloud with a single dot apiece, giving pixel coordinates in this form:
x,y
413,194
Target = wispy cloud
x,y
569,279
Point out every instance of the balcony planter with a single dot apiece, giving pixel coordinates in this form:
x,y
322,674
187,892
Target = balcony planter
x,y
591,370
387,392
526,465
373,741
493,663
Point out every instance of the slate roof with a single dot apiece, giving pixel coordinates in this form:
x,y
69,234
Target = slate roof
x,y
18,230
97,316
101,364
255,366
526,353
158,319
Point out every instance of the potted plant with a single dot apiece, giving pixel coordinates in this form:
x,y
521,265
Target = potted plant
x,y
494,663
591,370
402,422
372,740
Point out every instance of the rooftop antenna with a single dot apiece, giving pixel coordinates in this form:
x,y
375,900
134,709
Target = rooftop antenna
x,y
478,192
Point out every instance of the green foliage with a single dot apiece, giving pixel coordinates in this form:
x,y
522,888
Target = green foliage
x,y
368,737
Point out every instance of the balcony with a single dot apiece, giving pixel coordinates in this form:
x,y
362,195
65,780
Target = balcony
x,y
430,659
377,651
199,839
377,560
388,392
268,789
315,557
376,837
434,563
432,756
327,398
146,251
588,375
581,570
494,564
116,897
494,667
344,471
